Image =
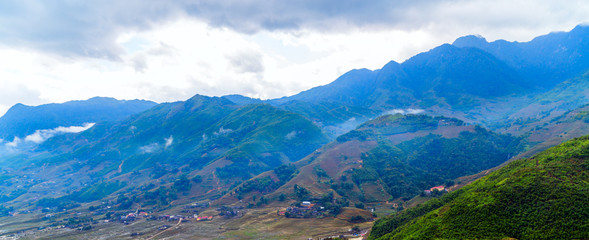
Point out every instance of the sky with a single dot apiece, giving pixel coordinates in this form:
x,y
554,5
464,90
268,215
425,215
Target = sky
x,y
161,50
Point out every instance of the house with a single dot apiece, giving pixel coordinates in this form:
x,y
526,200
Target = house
x,y
307,204
204,218
439,188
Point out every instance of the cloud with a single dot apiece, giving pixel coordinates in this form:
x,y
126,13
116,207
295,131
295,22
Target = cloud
x,y
247,62
140,63
15,142
291,135
140,60
74,28
92,28
169,141
149,148
40,136
405,111
154,147
222,131
11,91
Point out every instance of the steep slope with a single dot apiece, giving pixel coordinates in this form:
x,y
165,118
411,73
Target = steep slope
x,y
22,120
550,132
335,119
544,197
261,137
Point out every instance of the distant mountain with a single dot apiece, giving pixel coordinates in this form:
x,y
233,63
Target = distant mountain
x,y
545,197
21,120
445,76
352,88
469,75
546,60
242,100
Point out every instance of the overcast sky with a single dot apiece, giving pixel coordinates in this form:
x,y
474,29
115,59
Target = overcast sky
x,y
161,50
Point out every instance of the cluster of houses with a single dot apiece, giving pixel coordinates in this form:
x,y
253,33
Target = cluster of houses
x,y
231,212
170,218
306,210
174,218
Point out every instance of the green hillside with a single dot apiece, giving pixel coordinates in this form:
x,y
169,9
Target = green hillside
x,y
205,138
544,197
394,157
418,152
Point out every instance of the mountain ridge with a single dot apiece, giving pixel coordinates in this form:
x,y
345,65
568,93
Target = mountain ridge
x,y
22,120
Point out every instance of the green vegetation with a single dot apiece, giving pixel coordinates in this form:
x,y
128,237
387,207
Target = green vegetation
x,y
261,137
87,194
407,168
300,192
182,184
545,197
96,192
285,172
583,115
262,185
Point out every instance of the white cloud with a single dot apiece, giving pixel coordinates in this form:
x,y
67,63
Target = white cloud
x,y
169,141
15,142
40,136
149,148
154,147
223,131
291,135
405,111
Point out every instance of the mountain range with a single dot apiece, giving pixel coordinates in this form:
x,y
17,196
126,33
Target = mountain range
x,y
370,138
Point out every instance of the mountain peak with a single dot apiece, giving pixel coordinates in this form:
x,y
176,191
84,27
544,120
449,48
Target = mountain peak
x,y
470,41
580,29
